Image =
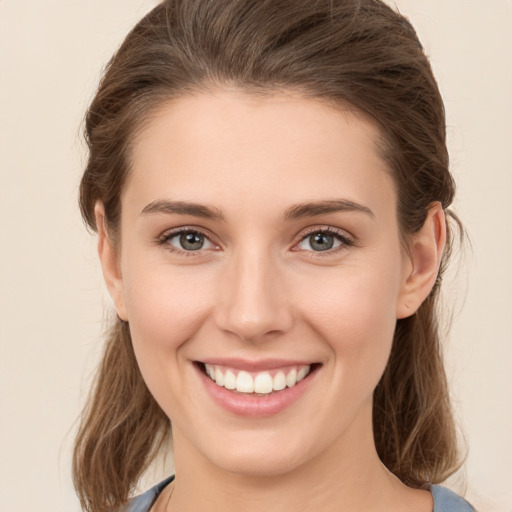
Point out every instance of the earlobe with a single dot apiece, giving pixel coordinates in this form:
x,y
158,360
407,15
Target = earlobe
x,y
425,253
110,262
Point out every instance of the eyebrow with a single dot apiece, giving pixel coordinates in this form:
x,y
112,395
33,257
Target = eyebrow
x,y
295,212
313,209
184,208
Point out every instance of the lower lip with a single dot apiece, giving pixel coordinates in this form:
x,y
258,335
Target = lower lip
x,y
243,404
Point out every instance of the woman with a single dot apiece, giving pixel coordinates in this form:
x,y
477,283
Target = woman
x,y
269,182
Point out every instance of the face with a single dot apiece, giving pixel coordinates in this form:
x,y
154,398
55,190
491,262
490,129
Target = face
x,y
260,251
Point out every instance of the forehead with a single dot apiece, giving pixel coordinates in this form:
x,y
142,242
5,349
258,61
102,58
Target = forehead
x,y
229,148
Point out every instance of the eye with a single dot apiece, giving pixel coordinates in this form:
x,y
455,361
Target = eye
x,y
322,240
187,240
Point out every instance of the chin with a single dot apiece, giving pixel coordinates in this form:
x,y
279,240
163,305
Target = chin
x,y
261,459
258,465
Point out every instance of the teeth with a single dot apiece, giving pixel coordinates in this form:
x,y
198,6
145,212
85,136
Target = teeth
x,y
219,377
261,383
302,373
244,383
291,378
229,380
279,381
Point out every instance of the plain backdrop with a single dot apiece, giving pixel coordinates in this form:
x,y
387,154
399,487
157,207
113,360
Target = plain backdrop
x,y
53,302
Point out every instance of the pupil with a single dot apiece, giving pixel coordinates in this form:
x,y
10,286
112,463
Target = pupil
x,y
191,241
322,242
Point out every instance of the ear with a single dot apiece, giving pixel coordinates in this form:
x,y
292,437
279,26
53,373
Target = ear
x,y
424,258
109,259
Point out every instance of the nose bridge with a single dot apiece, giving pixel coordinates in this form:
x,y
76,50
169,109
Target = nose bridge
x,y
252,302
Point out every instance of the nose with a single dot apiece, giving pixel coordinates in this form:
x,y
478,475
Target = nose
x,y
253,303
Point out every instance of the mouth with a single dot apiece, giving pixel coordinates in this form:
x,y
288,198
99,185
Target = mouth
x,y
252,383
256,389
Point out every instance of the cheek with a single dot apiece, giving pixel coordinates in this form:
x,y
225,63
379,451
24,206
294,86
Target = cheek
x,y
165,309
164,300
354,311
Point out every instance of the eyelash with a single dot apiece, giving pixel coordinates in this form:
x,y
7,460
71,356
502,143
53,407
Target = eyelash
x,y
166,237
341,237
345,241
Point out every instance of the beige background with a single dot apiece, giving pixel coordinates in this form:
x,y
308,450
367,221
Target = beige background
x,y
52,297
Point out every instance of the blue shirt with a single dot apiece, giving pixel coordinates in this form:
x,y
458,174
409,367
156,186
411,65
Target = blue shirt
x,y
444,499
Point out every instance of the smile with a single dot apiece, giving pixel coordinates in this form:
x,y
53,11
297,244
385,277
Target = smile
x,y
259,383
256,389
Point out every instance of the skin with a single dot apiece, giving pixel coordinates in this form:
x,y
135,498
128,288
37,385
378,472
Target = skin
x,y
257,289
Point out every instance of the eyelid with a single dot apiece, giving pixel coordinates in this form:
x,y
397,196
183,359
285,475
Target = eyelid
x,y
346,240
173,232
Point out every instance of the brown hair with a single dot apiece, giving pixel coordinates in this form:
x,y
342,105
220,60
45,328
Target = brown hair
x,y
357,52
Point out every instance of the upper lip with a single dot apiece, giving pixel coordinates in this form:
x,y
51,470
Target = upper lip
x,y
253,365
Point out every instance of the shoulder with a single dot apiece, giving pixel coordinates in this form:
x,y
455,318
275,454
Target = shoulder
x,y
446,500
145,501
